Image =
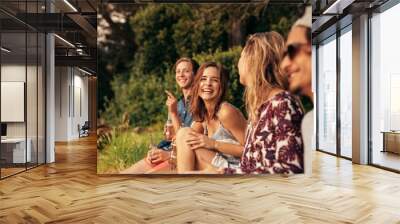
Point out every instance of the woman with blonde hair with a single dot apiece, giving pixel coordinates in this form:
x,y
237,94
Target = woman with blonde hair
x,y
273,140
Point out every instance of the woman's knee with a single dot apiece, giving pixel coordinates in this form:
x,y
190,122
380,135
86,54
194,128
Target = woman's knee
x,y
182,133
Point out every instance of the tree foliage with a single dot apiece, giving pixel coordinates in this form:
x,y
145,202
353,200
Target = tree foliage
x,y
156,35
115,51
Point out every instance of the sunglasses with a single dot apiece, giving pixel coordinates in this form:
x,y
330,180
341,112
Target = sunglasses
x,y
293,49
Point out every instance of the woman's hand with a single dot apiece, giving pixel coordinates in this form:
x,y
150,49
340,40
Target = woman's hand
x,y
197,140
172,103
168,135
155,156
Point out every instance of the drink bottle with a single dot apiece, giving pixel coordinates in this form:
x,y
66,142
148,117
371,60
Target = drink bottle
x,y
169,129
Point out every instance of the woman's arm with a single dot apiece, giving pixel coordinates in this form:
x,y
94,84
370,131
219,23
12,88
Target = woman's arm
x,y
172,105
288,140
176,122
233,120
228,148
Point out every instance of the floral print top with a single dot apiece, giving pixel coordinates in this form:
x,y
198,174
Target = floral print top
x,y
274,144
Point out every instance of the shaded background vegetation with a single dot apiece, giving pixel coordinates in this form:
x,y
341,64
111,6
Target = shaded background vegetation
x,y
136,57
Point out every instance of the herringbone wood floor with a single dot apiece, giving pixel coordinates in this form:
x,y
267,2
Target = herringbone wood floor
x,y
69,191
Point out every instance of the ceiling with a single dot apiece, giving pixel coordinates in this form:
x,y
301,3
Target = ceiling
x,y
207,1
74,21
328,16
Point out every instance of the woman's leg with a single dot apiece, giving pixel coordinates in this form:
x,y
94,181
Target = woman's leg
x,y
163,167
204,158
187,159
138,168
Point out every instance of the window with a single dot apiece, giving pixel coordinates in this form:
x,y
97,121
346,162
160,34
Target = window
x,y
346,92
326,95
385,89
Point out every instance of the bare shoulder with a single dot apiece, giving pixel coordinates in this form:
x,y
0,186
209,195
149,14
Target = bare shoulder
x,y
228,112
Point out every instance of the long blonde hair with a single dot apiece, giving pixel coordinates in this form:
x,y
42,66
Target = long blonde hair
x,y
262,56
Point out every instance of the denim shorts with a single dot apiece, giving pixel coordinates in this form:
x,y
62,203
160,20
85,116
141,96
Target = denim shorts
x,y
165,145
222,161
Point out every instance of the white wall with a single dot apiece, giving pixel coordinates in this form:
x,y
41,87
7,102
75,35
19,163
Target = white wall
x,y
10,73
61,103
13,73
71,102
34,125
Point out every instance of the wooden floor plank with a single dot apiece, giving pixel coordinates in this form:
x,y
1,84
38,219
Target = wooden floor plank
x,y
70,191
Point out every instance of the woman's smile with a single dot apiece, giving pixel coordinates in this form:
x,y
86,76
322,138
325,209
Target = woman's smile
x,y
209,84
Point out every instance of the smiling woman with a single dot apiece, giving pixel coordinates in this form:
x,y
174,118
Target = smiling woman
x,y
209,84
217,134
209,88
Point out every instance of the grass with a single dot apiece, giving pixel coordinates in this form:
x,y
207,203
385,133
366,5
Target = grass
x,y
125,148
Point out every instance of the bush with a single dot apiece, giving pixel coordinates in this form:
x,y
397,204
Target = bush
x,y
142,97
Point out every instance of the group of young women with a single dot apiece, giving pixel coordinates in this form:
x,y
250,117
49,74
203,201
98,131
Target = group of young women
x,y
220,139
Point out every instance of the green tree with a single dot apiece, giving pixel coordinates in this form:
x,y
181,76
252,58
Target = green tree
x,y
154,30
115,50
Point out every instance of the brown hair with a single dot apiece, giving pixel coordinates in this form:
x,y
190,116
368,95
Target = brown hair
x,y
194,64
197,106
262,55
